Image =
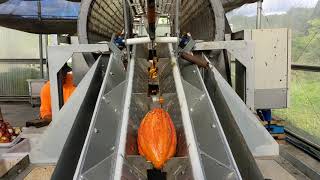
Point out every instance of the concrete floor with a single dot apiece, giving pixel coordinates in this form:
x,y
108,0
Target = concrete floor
x,y
270,169
17,113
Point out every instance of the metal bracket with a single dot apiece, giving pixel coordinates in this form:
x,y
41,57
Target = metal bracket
x,y
243,51
48,148
57,57
188,47
114,48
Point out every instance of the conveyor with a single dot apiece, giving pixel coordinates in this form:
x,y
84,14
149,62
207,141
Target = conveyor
x,y
116,148
110,147
213,124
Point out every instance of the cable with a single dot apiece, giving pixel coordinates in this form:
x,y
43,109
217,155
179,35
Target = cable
x,y
308,99
262,12
308,44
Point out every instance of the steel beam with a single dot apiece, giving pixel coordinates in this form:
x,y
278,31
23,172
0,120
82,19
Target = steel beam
x,y
243,51
41,56
144,40
58,56
307,68
121,142
259,141
48,147
190,137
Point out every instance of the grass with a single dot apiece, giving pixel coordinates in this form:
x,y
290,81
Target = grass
x,y
303,115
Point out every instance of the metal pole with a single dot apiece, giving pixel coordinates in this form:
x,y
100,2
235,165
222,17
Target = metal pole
x,y
259,13
190,136
177,25
60,89
1,116
140,27
126,26
40,42
126,21
41,56
47,64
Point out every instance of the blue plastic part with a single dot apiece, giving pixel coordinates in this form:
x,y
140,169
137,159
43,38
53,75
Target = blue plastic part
x,y
267,115
184,41
119,41
275,129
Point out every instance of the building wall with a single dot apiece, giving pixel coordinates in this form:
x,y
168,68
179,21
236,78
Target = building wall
x,y
18,45
13,76
19,61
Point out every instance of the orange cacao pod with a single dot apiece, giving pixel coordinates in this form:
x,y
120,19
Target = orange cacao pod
x,y
157,138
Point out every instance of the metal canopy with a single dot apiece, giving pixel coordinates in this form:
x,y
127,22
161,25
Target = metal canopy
x,y
45,16
104,16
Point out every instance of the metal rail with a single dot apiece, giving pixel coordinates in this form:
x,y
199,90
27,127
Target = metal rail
x,y
125,120
301,67
304,144
190,137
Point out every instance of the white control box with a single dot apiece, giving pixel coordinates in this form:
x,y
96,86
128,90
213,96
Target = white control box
x,y
272,66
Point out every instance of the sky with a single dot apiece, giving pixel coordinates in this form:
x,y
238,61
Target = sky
x,y
273,7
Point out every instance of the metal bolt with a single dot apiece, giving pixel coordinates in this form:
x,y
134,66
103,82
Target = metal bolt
x,y
191,109
112,148
96,130
111,73
107,100
115,110
213,126
194,71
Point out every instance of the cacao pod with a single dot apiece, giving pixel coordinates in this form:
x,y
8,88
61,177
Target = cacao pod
x,y
157,139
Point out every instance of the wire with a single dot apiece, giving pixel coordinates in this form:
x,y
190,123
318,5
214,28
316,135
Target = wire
x,y
308,44
308,99
262,12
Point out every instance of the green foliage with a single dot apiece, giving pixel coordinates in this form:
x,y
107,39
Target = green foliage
x,y
305,48
304,112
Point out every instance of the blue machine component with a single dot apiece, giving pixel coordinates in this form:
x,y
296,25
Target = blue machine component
x,y
275,129
119,41
267,116
184,40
